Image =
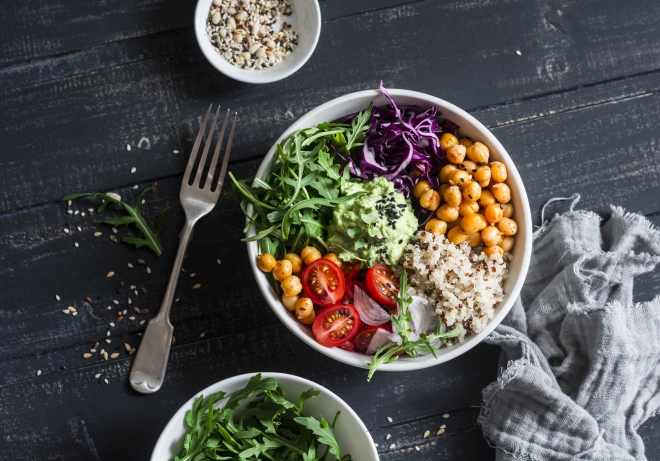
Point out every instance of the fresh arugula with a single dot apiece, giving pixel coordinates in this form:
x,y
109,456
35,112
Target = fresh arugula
x,y
257,423
292,207
134,216
402,325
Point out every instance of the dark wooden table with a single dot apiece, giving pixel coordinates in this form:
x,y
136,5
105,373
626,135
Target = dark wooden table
x,y
578,110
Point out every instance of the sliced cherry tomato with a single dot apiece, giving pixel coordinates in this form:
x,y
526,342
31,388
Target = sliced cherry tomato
x,y
380,284
323,282
349,291
363,338
349,346
351,270
336,325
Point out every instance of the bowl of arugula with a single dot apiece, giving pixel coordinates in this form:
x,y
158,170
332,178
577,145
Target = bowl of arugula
x,y
265,416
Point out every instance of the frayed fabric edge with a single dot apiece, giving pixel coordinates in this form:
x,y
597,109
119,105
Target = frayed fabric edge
x,y
635,219
575,308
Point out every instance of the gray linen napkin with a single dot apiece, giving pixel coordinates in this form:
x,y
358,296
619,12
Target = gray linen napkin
x,y
580,363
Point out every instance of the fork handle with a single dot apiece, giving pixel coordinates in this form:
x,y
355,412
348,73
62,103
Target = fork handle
x,y
148,371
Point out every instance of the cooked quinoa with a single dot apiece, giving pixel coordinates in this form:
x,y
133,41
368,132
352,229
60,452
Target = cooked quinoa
x,y
464,287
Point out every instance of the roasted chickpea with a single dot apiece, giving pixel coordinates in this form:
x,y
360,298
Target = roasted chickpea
x,y
296,262
443,188
290,302
501,192
466,208
459,177
498,171
333,257
436,226
446,171
447,140
474,222
471,191
430,200
507,210
508,226
457,235
420,188
291,285
484,184
507,243
447,213
452,196
456,153
486,198
419,169
491,235
474,239
310,254
467,142
282,269
305,311
493,250
451,225
478,152
266,262
469,166
494,213
482,174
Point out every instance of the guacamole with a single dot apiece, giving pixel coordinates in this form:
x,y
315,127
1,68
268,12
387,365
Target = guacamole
x,y
374,227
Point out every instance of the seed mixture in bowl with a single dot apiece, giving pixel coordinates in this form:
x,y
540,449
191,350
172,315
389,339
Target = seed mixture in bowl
x,y
249,33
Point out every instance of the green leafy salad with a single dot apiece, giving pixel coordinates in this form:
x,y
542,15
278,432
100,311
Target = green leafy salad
x,y
258,423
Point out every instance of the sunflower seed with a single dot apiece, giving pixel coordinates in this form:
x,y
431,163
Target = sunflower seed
x,y
143,290
57,298
140,261
96,344
88,299
115,355
144,311
105,356
87,355
110,274
133,350
71,309
113,238
197,286
119,319
136,309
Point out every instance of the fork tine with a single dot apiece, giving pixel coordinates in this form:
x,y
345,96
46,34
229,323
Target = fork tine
x,y
216,154
225,160
207,145
195,149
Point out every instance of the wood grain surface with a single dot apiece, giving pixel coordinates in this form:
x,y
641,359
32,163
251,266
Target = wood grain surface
x,y
578,111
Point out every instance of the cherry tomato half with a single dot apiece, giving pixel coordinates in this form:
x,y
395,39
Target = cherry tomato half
x,y
351,270
363,338
323,282
336,325
349,346
380,284
349,291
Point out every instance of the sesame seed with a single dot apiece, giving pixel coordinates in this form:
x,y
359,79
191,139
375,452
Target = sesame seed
x,y
443,426
393,446
417,448
142,202
132,287
79,229
76,244
193,274
197,286
38,372
518,52
82,214
112,324
202,335
219,262
135,187
68,203
108,308
125,310
76,212
115,301
148,270
106,381
110,274
131,318
57,298
445,416
142,322
69,211
389,419
115,355
133,170
102,351
140,334
74,313
66,231
175,151
176,300
97,375
130,265
376,445
108,333
388,436
128,147
129,301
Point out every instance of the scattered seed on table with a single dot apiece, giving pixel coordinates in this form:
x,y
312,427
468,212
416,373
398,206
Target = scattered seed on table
x,y
193,274
142,322
92,350
112,324
97,375
105,356
128,147
108,333
96,344
427,433
110,274
66,311
106,381
75,244
87,355
133,350
131,318
119,319
115,355
143,202
176,300
88,299
79,229
389,419
68,203
148,270
115,301
417,448
140,334
518,52
446,415
219,262
173,339
129,301
130,265
376,445
202,335
144,311
82,213
66,231
125,310
102,351
197,286
175,151
38,372
127,347
440,432
57,298
443,426
74,313
132,287
69,211
143,290
393,446
135,187
76,212
113,238
133,170
71,309
140,261
388,436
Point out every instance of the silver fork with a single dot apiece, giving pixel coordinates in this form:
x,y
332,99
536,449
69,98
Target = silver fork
x,y
148,370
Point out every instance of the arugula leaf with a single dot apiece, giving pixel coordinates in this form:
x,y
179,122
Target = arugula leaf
x,y
324,431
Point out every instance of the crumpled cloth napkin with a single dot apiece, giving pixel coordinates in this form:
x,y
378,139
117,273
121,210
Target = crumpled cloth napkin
x,y
580,362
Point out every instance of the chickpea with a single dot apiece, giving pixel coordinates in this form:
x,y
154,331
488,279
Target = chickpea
x,y
466,208
290,302
507,210
420,188
494,213
484,184
474,239
310,254
456,235
491,235
501,192
282,269
447,213
507,243
474,222
471,191
493,250
447,140
469,166
452,196
482,174
498,171
486,198
430,200
478,152
266,262
436,226
459,177
456,153
333,257
291,285
446,171
443,188
296,262
305,311
419,169
467,142
508,226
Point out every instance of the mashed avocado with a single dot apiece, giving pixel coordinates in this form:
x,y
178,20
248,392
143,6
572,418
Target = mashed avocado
x,y
374,227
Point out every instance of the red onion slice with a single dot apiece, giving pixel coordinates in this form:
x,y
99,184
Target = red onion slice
x,y
370,311
379,339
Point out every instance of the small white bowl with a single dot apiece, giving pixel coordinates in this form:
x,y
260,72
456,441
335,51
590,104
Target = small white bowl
x,y
469,126
305,19
351,433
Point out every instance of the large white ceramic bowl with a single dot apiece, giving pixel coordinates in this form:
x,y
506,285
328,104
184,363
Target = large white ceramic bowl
x,y
305,19
469,126
351,433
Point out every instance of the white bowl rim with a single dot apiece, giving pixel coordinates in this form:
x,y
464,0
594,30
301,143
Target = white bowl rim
x,y
177,418
242,75
361,360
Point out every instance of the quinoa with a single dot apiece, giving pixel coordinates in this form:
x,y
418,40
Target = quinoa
x,y
463,286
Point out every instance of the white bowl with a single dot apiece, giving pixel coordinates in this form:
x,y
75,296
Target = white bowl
x,y
469,126
351,433
305,19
